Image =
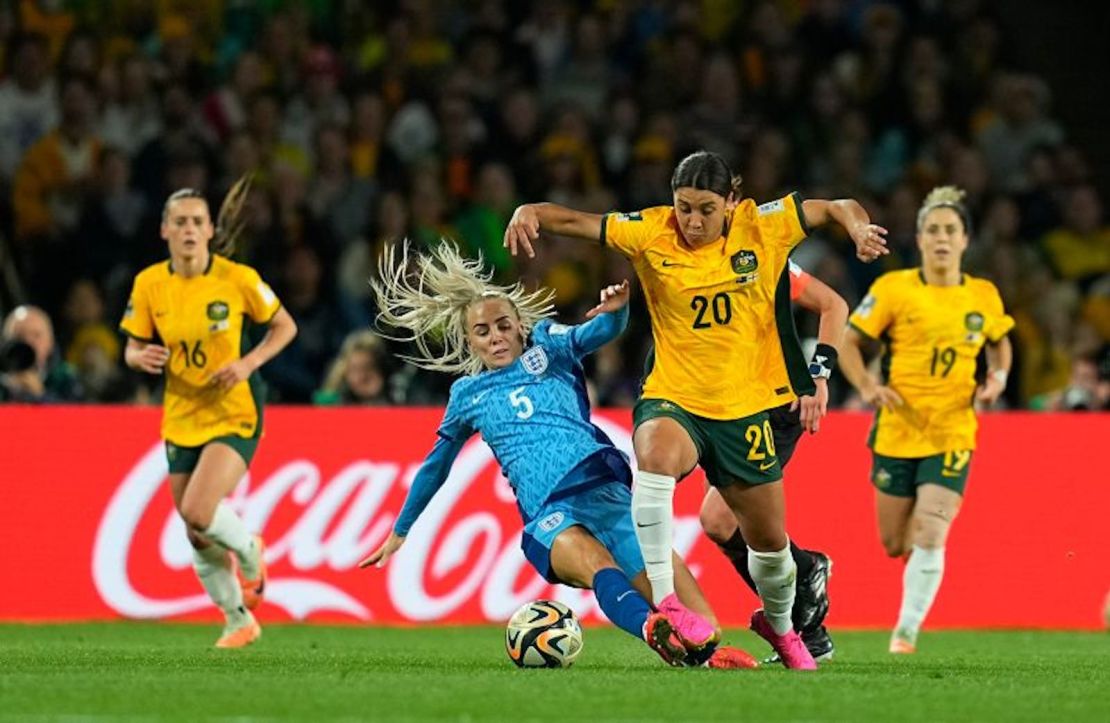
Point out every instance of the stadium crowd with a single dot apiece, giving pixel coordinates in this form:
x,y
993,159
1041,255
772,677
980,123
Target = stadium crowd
x,y
366,123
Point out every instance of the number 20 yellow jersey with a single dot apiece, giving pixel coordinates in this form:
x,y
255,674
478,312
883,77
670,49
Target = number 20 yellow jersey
x,y
201,321
725,345
933,335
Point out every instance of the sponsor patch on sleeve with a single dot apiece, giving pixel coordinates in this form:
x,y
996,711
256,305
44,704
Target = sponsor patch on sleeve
x,y
770,207
558,329
632,216
864,309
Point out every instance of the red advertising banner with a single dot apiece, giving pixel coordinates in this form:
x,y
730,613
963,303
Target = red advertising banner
x,y
88,530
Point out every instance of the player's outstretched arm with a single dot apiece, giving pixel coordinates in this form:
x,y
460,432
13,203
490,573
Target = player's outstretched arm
x,y
531,218
431,476
606,322
869,238
380,556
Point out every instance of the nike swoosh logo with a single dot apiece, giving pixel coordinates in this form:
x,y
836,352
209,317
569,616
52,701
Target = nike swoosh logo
x,y
478,397
946,473
767,466
650,524
668,263
625,594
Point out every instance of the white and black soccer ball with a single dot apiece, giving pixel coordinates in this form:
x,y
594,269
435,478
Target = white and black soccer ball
x,y
543,634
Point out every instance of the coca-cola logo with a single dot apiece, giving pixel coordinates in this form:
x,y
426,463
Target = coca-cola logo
x,y
339,521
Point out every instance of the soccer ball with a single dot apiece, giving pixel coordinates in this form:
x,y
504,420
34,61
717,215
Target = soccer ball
x,y
543,634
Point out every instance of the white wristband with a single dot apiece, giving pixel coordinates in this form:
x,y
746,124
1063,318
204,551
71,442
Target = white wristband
x,y
1001,375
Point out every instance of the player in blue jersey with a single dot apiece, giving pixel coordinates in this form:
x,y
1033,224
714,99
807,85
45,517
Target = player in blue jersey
x,y
525,392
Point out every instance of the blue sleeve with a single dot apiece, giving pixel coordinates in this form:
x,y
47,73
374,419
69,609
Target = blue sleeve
x,y
597,332
431,476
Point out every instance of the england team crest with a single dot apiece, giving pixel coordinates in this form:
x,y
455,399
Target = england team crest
x,y
534,360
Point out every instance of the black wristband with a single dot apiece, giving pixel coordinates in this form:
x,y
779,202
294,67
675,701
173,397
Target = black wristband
x,y
825,355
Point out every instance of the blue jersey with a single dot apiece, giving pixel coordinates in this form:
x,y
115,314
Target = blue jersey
x,y
533,414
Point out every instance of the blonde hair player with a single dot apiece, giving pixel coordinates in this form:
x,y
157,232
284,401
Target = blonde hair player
x,y
933,321
714,272
524,391
186,320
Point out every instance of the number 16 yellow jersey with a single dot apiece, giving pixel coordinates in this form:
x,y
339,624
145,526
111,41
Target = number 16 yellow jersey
x,y
933,335
201,321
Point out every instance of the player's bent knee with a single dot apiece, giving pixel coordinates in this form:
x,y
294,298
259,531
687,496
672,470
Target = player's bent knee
x,y
894,546
197,516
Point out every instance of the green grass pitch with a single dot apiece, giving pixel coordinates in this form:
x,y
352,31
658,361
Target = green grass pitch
x,y
157,671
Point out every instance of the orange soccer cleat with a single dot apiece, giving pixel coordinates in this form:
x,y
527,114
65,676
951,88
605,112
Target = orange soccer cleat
x,y
254,589
729,658
241,636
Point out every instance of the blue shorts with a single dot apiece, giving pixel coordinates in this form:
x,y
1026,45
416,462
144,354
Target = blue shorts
x,y
606,513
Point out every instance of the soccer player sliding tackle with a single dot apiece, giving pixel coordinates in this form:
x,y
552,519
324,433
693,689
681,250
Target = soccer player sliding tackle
x,y
523,390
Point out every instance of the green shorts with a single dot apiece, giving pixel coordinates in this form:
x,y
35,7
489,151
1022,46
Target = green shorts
x,y
729,450
184,459
901,476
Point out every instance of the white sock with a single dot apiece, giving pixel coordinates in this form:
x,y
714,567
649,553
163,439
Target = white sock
x,y
652,513
920,583
774,574
228,530
213,568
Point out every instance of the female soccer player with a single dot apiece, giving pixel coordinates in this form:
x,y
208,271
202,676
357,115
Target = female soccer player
x,y
713,270
186,319
933,321
811,601
524,392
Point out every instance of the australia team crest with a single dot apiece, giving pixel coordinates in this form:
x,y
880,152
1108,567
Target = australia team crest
x,y
745,264
534,360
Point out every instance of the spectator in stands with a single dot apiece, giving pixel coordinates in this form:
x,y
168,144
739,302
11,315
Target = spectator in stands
x,y
360,374
1080,250
28,102
31,325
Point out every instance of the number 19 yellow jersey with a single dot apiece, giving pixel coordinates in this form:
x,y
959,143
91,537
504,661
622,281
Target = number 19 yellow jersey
x,y
933,335
201,321
725,345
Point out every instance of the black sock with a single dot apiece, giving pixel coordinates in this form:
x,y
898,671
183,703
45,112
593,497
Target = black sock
x,y
803,559
736,550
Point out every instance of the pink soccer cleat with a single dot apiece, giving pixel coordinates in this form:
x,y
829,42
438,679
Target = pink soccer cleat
x,y
694,630
790,647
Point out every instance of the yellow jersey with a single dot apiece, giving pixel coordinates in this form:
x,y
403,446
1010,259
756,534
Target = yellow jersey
x,y
933,335
201,321
725,344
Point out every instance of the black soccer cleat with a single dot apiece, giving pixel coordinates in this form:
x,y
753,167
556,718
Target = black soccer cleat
x,y
811,597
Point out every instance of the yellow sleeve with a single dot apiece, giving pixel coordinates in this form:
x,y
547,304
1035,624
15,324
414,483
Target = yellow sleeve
x,y
628,233
998,323
876,312
782,222
259,300
138,323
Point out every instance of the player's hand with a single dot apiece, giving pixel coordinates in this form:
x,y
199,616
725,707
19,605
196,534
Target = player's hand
x,y
881,396
870,241
612,298
152,358
231,374
380,556
815,407
990,391
523,229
